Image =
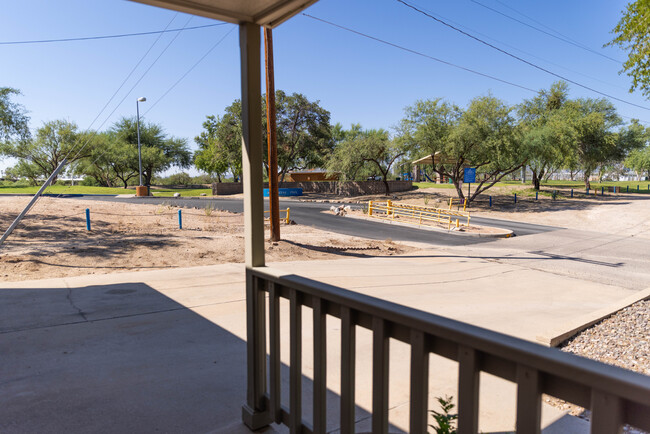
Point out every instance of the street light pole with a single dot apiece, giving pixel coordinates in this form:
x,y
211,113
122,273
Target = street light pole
x,y
137,109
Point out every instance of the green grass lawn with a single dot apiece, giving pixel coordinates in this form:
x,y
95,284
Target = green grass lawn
x,y
80,189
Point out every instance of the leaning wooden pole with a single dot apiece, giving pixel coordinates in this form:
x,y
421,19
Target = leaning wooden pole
x,y
274,200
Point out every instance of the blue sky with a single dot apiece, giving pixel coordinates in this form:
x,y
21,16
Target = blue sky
x,y
358,80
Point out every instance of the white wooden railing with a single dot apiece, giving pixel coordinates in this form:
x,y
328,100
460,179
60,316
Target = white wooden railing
x,y
615,396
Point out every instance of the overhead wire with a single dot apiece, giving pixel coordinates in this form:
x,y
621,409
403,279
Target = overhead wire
x,y
123,35
382,41
519,49
562,38
469,35
418,53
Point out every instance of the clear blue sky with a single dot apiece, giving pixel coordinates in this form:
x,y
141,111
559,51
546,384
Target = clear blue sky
x,y
358,80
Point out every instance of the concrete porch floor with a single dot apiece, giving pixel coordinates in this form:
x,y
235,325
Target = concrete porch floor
x,y
164,351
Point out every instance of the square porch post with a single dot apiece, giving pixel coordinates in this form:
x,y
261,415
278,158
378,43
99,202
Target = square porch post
x,y
254,413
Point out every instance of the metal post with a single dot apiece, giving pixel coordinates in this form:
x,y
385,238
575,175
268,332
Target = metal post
x,y
571,193
32,202
515,198
536,195
137,109
180,220
602,191
490,201
87,219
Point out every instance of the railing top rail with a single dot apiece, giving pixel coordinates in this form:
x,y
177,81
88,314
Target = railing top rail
x,y
610,379
396,207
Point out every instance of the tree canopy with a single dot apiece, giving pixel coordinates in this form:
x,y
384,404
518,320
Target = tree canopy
x,y
14,122
41,155
632,34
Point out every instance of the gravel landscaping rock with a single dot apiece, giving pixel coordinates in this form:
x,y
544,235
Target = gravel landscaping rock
x,y
621,340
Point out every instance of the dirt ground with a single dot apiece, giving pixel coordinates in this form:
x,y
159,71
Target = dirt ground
x,y
52,241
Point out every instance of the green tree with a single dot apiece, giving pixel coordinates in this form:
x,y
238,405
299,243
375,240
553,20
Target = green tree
x,y
483,136
632,34
363,148
111,161
14,123
639,161
220,144
595,141
304,135
54,141
159,152
547,133
304,132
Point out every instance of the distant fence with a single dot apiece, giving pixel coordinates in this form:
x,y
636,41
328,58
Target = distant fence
x,y
343,188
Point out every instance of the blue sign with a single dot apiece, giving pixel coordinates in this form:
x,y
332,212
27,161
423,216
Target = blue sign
x,y
285,192
469,175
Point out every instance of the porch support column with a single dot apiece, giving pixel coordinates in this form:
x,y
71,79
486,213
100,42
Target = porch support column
x,y
252,151
255,413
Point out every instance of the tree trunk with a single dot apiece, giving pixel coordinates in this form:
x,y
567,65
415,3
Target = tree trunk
x,y
536,180
459,188
386,186
586,178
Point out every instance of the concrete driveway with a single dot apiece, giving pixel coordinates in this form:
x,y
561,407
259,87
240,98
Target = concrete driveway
x,y
164,351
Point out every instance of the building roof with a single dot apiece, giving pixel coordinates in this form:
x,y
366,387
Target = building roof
x,y
267,13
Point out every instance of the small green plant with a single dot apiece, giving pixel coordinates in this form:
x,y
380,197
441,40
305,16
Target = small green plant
x,y
208,210
426,200
445,422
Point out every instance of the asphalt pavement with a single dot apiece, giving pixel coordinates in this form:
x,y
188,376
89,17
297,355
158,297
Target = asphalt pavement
x,y
315,214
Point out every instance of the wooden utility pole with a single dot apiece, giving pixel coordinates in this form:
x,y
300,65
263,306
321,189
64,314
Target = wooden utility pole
x,y
274,200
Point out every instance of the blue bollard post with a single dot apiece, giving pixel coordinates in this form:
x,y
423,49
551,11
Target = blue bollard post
x,y
587,192
491,200
87,219
515,198
571,193
180,220
536,193
637,188
627,188
602,191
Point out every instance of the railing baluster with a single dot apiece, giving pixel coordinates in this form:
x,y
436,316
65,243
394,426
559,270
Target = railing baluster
x,y
606,413
379,376
419,383
320,367
348,338
529,400
295,369
468,388
274,338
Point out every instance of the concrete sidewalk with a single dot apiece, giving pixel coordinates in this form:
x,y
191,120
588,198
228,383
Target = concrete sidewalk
x,y
164,351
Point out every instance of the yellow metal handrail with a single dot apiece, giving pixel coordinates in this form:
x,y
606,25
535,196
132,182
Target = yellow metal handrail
x,y
389,211
286,218
452,200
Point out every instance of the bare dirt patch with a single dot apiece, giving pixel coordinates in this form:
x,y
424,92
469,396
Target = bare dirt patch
x,y
52,241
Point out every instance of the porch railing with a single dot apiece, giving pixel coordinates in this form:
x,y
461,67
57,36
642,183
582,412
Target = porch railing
x,y
615,396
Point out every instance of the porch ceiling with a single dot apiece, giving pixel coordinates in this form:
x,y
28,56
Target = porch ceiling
x,y
268,13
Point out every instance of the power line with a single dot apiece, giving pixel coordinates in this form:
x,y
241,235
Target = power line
x,y
519,58
518,49
188,71
124,35
562,37
418,53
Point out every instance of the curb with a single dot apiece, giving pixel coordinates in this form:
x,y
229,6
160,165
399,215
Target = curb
x,y
507,232
557,335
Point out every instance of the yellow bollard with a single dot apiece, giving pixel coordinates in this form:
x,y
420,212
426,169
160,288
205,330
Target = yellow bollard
x,y
288,220
451,201
369,207
465,205
457,224
389,206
